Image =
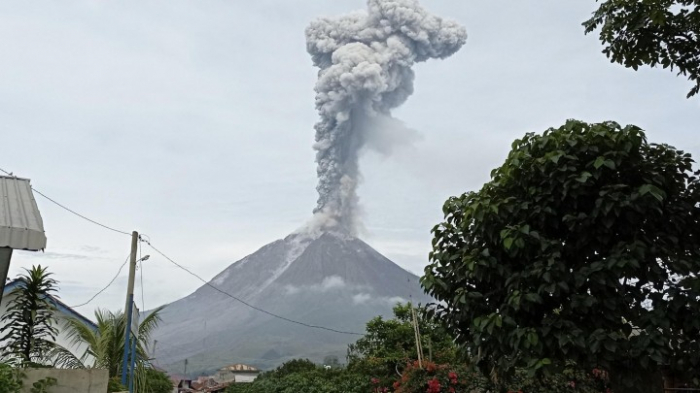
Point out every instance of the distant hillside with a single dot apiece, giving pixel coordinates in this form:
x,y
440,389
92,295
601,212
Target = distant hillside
x,y
329,280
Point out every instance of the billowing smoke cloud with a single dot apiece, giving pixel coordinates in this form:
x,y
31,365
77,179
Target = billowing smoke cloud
x,y
365,61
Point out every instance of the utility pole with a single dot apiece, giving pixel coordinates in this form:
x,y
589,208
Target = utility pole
x,y
129,304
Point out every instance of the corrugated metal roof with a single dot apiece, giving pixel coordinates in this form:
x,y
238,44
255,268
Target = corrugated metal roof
x,y
21,226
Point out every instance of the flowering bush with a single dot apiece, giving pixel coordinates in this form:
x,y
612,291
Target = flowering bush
x,y
434,378
444,378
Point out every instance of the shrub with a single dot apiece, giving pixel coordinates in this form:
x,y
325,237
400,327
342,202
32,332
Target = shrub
x,y
9,379
114,385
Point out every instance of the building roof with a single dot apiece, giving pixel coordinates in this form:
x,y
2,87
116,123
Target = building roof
x,y
240,368
57,303
21,226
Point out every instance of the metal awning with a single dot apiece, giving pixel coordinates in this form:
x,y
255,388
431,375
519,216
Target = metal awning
x,y
21,226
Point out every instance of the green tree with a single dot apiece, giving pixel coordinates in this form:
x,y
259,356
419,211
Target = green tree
x,y
151,380
390,344
105,345
651,32
584,247
304,376
295,366
29,329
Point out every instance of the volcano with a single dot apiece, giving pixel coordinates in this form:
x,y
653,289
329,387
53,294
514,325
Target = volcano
x,y
330,280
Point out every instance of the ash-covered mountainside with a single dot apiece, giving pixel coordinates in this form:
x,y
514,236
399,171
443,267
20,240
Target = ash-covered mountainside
x,y
331,280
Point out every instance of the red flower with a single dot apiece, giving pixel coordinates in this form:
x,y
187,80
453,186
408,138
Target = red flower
x,y
375,381
434,386
453,377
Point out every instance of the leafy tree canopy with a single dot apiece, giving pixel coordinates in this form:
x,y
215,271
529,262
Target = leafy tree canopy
x,y
651,32
390,344
304,376
584,247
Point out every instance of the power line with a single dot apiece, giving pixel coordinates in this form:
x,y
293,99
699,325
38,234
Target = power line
x,y
108,285
143,301
246,303
178,265
71,210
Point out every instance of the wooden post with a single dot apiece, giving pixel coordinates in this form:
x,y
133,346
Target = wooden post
x,y
129,303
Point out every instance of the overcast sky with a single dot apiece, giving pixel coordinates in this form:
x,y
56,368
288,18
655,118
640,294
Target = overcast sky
x,y
192,122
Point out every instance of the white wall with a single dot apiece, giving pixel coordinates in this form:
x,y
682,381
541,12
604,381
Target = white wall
x,y
245,377
69,381
61,339
229,376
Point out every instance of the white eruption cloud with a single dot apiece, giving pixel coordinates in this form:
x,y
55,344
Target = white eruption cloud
x,y
365,61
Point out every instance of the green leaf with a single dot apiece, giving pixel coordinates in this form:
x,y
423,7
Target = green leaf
x,y
599,162
585,175
656,192
533,297
508,242
610,345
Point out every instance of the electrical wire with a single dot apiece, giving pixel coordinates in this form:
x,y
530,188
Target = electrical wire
x,y
71,210
246,303
181,267
143,301
108,285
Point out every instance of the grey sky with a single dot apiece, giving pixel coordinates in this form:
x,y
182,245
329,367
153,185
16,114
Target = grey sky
x,y
192,122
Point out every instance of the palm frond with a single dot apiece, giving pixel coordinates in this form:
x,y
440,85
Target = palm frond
x,y
61,357
79,333
106,343
149,324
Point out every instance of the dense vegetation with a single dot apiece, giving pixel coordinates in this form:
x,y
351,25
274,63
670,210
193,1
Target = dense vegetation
x,y
30,329
384,360
304,376
582,249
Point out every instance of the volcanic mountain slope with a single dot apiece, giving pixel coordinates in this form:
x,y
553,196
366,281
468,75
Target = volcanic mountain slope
x,y
329,280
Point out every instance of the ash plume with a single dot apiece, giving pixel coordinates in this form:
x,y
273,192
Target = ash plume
x,y
365,61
